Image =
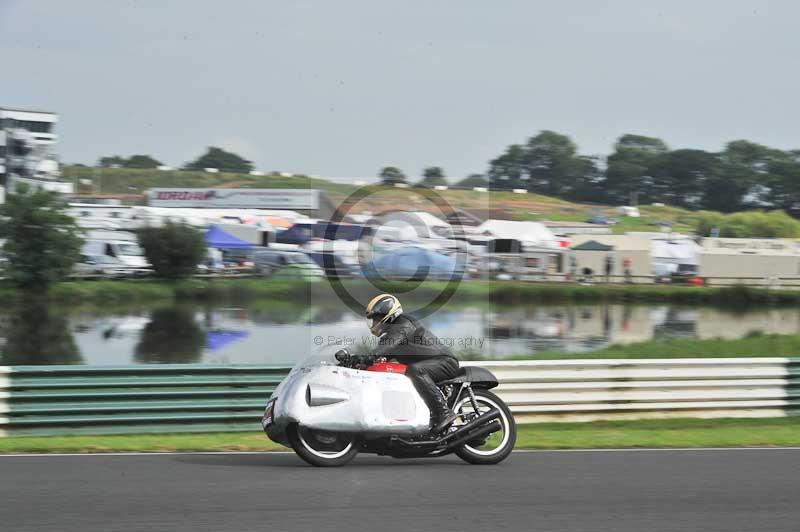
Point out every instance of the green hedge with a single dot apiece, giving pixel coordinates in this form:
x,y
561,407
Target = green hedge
x,y
301,292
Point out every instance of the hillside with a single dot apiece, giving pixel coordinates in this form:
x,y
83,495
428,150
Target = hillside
x,y
131,183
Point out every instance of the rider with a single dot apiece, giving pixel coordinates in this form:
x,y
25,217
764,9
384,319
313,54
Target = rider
x,y
405,339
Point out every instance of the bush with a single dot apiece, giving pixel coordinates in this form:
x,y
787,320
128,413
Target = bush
x,y
753,224
174,250
42,241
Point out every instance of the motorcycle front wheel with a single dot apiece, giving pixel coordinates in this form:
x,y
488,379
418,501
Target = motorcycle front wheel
x,y
323,448
496,447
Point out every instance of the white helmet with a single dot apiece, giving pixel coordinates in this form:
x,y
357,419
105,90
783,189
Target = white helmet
x,y
382,310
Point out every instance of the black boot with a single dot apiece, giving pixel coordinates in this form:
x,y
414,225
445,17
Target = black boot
x,y
441,415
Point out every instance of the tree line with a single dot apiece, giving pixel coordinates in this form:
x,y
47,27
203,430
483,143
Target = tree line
x,y
431,176
213,158
744,175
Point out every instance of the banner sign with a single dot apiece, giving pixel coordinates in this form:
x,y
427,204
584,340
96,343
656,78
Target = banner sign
x,y
751,245
234,198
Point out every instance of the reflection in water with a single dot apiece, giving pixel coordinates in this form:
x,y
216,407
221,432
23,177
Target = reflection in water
x,y
279,332
676,323
171,336
36,334
290,314
578,328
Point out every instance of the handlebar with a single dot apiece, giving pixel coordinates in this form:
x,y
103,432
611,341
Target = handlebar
x,y
347,360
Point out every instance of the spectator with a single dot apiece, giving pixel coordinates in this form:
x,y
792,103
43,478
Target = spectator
x,y
626,266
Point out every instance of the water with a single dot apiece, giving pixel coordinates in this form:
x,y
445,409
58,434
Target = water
x,y
266,334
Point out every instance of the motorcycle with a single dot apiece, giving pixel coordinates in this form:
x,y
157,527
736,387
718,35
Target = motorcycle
x,y
329,409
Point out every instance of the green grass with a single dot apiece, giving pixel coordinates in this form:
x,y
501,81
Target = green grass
x,y
514,292
772,432
777,432
136,181
510,292
219,441
112,291
753,345
506,292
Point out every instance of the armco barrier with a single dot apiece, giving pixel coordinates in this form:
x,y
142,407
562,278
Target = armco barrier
x,y
584,390
196,398
129,399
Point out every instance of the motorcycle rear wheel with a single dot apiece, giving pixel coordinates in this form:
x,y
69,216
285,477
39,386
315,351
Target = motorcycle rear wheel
x,y
496,447
322,448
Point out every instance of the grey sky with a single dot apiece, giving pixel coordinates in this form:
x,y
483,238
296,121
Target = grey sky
x,y
343,88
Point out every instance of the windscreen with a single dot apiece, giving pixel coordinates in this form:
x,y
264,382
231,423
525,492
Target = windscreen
x,y
129,249
317,359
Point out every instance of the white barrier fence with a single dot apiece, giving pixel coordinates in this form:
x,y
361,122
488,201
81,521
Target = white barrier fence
x,y
586,390
50,400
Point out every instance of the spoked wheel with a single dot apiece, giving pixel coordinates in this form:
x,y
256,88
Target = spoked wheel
x,y
495,447
323,448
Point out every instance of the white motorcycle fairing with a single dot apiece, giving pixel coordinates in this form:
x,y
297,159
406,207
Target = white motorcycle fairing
x,y
340,399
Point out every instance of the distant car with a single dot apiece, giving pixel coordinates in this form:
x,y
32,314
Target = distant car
x,y
285,264
303,232
599,219
333,265
238,257
414,263
686,273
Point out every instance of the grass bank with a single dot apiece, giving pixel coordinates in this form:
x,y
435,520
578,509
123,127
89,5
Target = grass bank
x,y
755,344
773,432
506,292
530,206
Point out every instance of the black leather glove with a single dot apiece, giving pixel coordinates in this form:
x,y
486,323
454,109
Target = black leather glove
x,y
363,361
342,357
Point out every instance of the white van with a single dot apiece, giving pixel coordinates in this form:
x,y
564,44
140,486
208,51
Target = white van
x,y
126,251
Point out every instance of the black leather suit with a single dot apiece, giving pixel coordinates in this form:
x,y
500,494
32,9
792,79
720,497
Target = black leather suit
x,y
428,360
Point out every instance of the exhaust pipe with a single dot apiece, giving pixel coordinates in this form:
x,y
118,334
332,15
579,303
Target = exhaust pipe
x,y
492,427
491,415
464,433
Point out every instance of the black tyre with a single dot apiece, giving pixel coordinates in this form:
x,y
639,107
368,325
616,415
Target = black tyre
x,y
321,448
497,446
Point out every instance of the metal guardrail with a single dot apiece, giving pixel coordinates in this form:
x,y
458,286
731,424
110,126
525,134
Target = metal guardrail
x,y
129,399
585,390
197,398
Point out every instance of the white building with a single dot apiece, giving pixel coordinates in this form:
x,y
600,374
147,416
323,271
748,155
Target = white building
x,y
621,252
749,261
532,234
576,228
27,150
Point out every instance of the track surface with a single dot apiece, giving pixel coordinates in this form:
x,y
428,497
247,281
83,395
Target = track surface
x,y
709,490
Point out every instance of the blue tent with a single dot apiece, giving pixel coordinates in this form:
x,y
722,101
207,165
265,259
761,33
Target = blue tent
x,y
413,263
217,238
